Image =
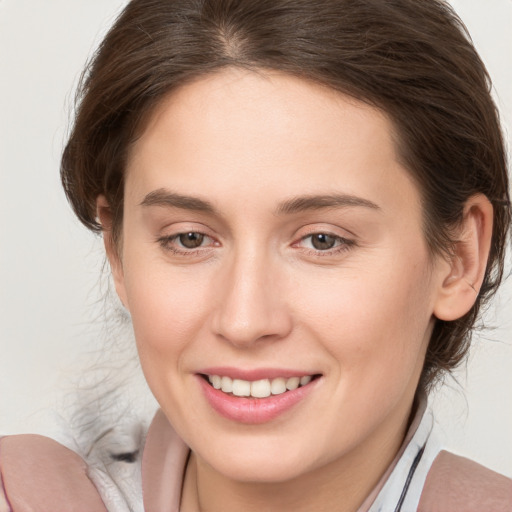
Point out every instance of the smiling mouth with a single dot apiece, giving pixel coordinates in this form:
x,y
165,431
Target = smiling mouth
x,y
262,388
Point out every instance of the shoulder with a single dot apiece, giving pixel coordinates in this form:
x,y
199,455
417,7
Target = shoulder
x,y
40,474
455,483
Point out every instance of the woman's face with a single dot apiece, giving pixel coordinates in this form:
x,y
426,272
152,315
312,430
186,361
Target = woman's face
x,y
270,233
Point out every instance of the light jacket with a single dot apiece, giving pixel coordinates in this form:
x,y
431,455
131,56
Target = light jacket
x,y
40,475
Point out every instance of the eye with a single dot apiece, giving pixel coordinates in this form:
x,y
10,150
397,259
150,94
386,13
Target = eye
x,y
325,242
191,240
186,243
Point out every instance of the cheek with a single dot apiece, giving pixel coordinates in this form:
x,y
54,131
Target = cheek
x,y
375,329
168,318
167,310
373,320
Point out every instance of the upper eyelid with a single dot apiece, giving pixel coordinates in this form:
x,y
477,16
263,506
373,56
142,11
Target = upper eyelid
x,y
342,239
324,232
308,231
333,235
171,232
330,229
316,232
177,235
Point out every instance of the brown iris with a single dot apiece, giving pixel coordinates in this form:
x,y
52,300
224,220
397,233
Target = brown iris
x,y
322,241
191,240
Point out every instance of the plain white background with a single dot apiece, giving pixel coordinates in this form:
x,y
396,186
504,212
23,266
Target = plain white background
x,y
50,266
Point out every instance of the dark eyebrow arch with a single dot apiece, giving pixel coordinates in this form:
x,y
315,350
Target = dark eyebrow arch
x,y
318,202
166,198
163,197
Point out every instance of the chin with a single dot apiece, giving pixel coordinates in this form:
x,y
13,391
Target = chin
x,y
264,472
262,462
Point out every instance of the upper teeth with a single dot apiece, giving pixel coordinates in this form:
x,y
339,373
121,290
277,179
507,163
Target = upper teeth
x,y
257,388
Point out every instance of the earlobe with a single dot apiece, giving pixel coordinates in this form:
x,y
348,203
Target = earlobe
x,y
104,214
465,270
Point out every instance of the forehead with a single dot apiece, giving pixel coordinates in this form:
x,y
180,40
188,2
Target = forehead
x,y
264,103
267,133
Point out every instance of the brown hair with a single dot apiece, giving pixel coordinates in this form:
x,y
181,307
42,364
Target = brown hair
x,y
411,58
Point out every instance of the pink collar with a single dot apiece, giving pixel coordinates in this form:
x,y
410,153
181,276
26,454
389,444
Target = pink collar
x,y
163,466
165,458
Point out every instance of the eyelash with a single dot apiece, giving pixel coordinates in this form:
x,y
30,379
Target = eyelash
x,y
344,244
166,242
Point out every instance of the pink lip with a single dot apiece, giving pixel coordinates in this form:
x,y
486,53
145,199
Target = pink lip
x,y
253,410
252,375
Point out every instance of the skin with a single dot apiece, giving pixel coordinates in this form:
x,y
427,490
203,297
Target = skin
x,y
257,293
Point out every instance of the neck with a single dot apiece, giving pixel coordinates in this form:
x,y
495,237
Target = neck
x,y
341,486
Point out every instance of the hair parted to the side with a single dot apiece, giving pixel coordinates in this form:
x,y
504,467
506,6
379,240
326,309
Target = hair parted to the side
x,y
411,58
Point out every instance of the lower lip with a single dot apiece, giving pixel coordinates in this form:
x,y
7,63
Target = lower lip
x,y
254,410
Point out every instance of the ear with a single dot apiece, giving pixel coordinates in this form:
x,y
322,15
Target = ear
x,y
464,272
104,214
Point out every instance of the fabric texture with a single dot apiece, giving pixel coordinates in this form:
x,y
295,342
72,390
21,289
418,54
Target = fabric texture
x,y
459,479
40,475
400,487
146,475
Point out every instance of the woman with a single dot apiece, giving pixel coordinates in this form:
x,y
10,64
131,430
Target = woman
x,y
304,206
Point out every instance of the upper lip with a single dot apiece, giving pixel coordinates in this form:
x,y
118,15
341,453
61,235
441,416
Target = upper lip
x,y
255,373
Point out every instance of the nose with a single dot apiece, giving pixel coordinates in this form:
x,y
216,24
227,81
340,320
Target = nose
x,y
251,302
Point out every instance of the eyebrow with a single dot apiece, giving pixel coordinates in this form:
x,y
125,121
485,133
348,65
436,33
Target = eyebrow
x,y
318,202
163,197
166,198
